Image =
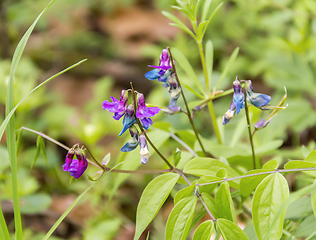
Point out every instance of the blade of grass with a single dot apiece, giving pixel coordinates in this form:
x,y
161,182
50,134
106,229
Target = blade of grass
x,y
4,232
6,120
62,217
11,141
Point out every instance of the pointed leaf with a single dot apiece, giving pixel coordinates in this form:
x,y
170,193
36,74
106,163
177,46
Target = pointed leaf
x,y
186,66
185,192
206,8
180,219
271,193
204,231
230,230
209,188
209,166
193,91
154,195
210,203
224,204
227,67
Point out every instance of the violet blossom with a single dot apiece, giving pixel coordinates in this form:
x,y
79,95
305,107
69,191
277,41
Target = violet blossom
x,y
75,167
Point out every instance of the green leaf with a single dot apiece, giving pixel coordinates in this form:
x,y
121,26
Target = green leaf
x,y
227,67
178,23
271,193
224,204
176,156
210,203
185,192
210,18
230,230
221,173
204,231
301,164
180,219
209,166
186,66
272,164
307,227
249,184
209,188
193,91
299,209
200,30
209,55
19,139
206,8
154,195
311,157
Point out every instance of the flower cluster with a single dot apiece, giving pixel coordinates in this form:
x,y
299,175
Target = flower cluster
x,y
143,113
76,166
164,74
259,100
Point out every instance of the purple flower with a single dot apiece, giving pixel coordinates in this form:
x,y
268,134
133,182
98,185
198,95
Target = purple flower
x,y
145,113
75,167
144,152
238,96
117,107
163,70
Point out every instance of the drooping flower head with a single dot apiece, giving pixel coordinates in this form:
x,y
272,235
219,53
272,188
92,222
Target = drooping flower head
x,y
229,114
129,118
257,99
133,142
238,96
144,152
75,167
174,89
162,71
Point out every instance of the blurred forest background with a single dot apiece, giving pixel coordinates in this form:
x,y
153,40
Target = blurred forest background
x,y
120,38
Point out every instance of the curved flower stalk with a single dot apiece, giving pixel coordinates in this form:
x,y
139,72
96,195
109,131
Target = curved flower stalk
x,y
143,113
76,166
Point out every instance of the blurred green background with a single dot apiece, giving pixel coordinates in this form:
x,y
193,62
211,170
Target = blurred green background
x,y
120,38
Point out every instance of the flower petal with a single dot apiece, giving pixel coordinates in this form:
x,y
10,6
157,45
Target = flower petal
x,y
153,74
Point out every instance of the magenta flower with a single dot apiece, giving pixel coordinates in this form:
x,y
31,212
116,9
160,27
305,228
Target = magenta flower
x,y
117,107
145,113
75,167
162,71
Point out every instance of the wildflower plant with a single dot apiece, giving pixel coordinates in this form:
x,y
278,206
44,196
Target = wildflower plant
x,y
215,181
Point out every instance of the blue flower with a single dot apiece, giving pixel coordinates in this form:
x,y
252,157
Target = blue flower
x,y
238,96
259,100
129,118
133,142
229,114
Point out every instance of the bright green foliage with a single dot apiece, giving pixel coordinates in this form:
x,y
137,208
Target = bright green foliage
x,y
230,230
204,231
209,188
180,219
185,192
210,203
224,203
154,195
313,198
209,166
269,196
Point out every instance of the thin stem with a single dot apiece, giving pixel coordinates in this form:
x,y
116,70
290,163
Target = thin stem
x,y
186,103
210,103
180,172
249,131
102,167
175,137
144,132
92,162
257,174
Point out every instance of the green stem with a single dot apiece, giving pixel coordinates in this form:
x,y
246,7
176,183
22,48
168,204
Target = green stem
x,y
260,173
210,103
144,132
186,103
11,144
249,132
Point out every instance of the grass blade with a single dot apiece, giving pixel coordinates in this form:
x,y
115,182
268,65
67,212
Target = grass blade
x,y
4,233
62,217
